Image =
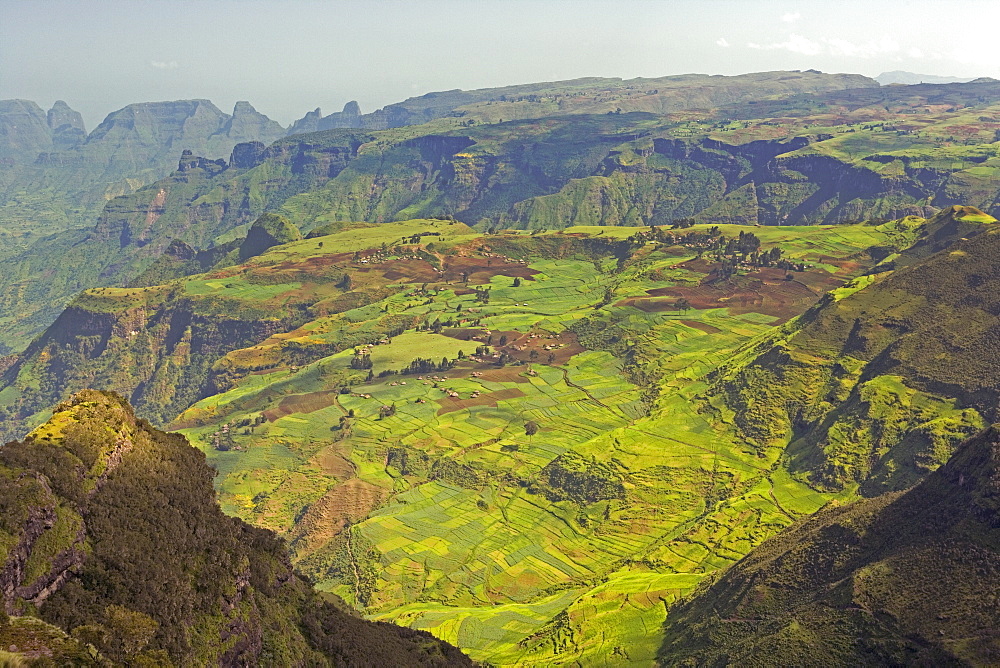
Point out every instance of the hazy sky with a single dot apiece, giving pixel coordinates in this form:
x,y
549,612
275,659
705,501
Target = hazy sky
x,y
289,57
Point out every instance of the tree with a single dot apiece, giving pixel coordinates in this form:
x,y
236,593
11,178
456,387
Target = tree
x,y
361,361
128,632
530,428
682,304
517,282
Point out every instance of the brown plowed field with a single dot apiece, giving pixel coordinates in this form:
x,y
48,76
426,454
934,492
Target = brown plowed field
x,y
350,501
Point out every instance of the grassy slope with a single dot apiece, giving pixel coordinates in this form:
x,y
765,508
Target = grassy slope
x,y
560,546
864,383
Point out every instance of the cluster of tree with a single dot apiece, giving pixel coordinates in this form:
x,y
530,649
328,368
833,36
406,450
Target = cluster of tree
x,y
483,294
361,361
421,365
505,358
731,253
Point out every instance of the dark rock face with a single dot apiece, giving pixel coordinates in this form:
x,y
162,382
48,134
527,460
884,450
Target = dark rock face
x,y
247,155
267,231
190,161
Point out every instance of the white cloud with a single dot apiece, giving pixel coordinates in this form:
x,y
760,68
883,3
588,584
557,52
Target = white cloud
x,y
160,65
722,41
844,48
791,17
794,43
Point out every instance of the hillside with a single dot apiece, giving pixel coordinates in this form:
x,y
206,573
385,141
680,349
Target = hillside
x,y
111,533
808,158
774,152
589,95
901,579
522,368
54,176
489,436
872,384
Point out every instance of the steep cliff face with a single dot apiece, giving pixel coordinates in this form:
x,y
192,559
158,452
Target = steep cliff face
x,y
67,126
202,199
155,131
154,345
51,155
183,583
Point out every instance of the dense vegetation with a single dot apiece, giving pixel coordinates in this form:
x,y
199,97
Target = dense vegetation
x,y
110,531
542,392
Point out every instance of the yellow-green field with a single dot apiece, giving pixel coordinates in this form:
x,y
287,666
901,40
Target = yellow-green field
x,y
565,546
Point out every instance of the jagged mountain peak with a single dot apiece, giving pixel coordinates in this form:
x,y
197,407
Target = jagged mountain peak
x,y
61,116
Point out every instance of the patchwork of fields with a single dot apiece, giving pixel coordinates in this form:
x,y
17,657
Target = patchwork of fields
x,y
523,495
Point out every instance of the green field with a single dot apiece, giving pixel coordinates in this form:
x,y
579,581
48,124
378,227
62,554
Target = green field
x,y
563,546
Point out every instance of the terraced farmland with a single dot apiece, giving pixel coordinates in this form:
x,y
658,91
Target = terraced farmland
x,y
554,475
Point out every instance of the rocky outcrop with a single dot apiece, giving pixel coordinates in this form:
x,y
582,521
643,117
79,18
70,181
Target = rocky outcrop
x,y
61,116
308,123
39,518
190,161
67,126
247,155
267,231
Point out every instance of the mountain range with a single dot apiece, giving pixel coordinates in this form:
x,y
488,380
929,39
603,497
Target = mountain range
x,y
682,371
